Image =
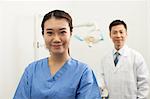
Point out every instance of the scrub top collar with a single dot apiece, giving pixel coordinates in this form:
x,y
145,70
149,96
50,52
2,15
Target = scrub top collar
x,y
59,73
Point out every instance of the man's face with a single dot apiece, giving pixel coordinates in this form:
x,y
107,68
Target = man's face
x,y
118,34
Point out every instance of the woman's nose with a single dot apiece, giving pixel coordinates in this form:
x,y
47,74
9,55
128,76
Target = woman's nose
x,y
56,38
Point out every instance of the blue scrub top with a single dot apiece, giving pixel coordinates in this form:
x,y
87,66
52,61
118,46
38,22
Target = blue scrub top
x,y
75,80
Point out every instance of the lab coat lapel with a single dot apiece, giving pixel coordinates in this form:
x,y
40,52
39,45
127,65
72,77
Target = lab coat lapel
x,y
111,63
122,60
119,64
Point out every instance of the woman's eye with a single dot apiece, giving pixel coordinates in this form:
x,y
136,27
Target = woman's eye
x,y
63,32
49,33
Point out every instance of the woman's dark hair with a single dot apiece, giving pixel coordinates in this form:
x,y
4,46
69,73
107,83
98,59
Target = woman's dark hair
x,y
117,22
58,14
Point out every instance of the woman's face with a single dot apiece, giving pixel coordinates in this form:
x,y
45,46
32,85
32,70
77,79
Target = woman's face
x,y
57,35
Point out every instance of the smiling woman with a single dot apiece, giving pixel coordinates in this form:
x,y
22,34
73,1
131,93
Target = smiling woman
x,y
58,76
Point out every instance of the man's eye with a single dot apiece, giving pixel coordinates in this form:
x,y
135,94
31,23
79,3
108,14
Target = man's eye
x,y
114,32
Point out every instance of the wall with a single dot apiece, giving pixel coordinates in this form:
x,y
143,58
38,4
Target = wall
x,y
148,22
148,17
17,30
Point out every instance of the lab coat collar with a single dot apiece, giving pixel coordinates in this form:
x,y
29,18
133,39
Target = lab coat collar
x,y
122,51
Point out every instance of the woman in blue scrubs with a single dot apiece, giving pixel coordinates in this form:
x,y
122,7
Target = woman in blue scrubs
x,y
58,76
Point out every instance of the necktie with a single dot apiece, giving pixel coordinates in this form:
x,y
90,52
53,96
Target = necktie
x,y
116,59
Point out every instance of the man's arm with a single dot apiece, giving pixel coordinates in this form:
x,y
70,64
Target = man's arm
x,y
143,78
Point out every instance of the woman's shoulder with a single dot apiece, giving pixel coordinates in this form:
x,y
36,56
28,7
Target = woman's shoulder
x,y
79,64
36,64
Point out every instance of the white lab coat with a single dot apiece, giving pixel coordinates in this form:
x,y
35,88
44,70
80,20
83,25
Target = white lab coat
x,y
129,79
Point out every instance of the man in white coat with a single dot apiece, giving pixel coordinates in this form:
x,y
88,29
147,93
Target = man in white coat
x,y
129,78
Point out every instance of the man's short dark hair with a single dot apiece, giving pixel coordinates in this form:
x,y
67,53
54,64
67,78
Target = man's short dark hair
x,y
117,22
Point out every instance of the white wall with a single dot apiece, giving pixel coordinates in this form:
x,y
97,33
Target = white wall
x,y
16,45
148,27
17,28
